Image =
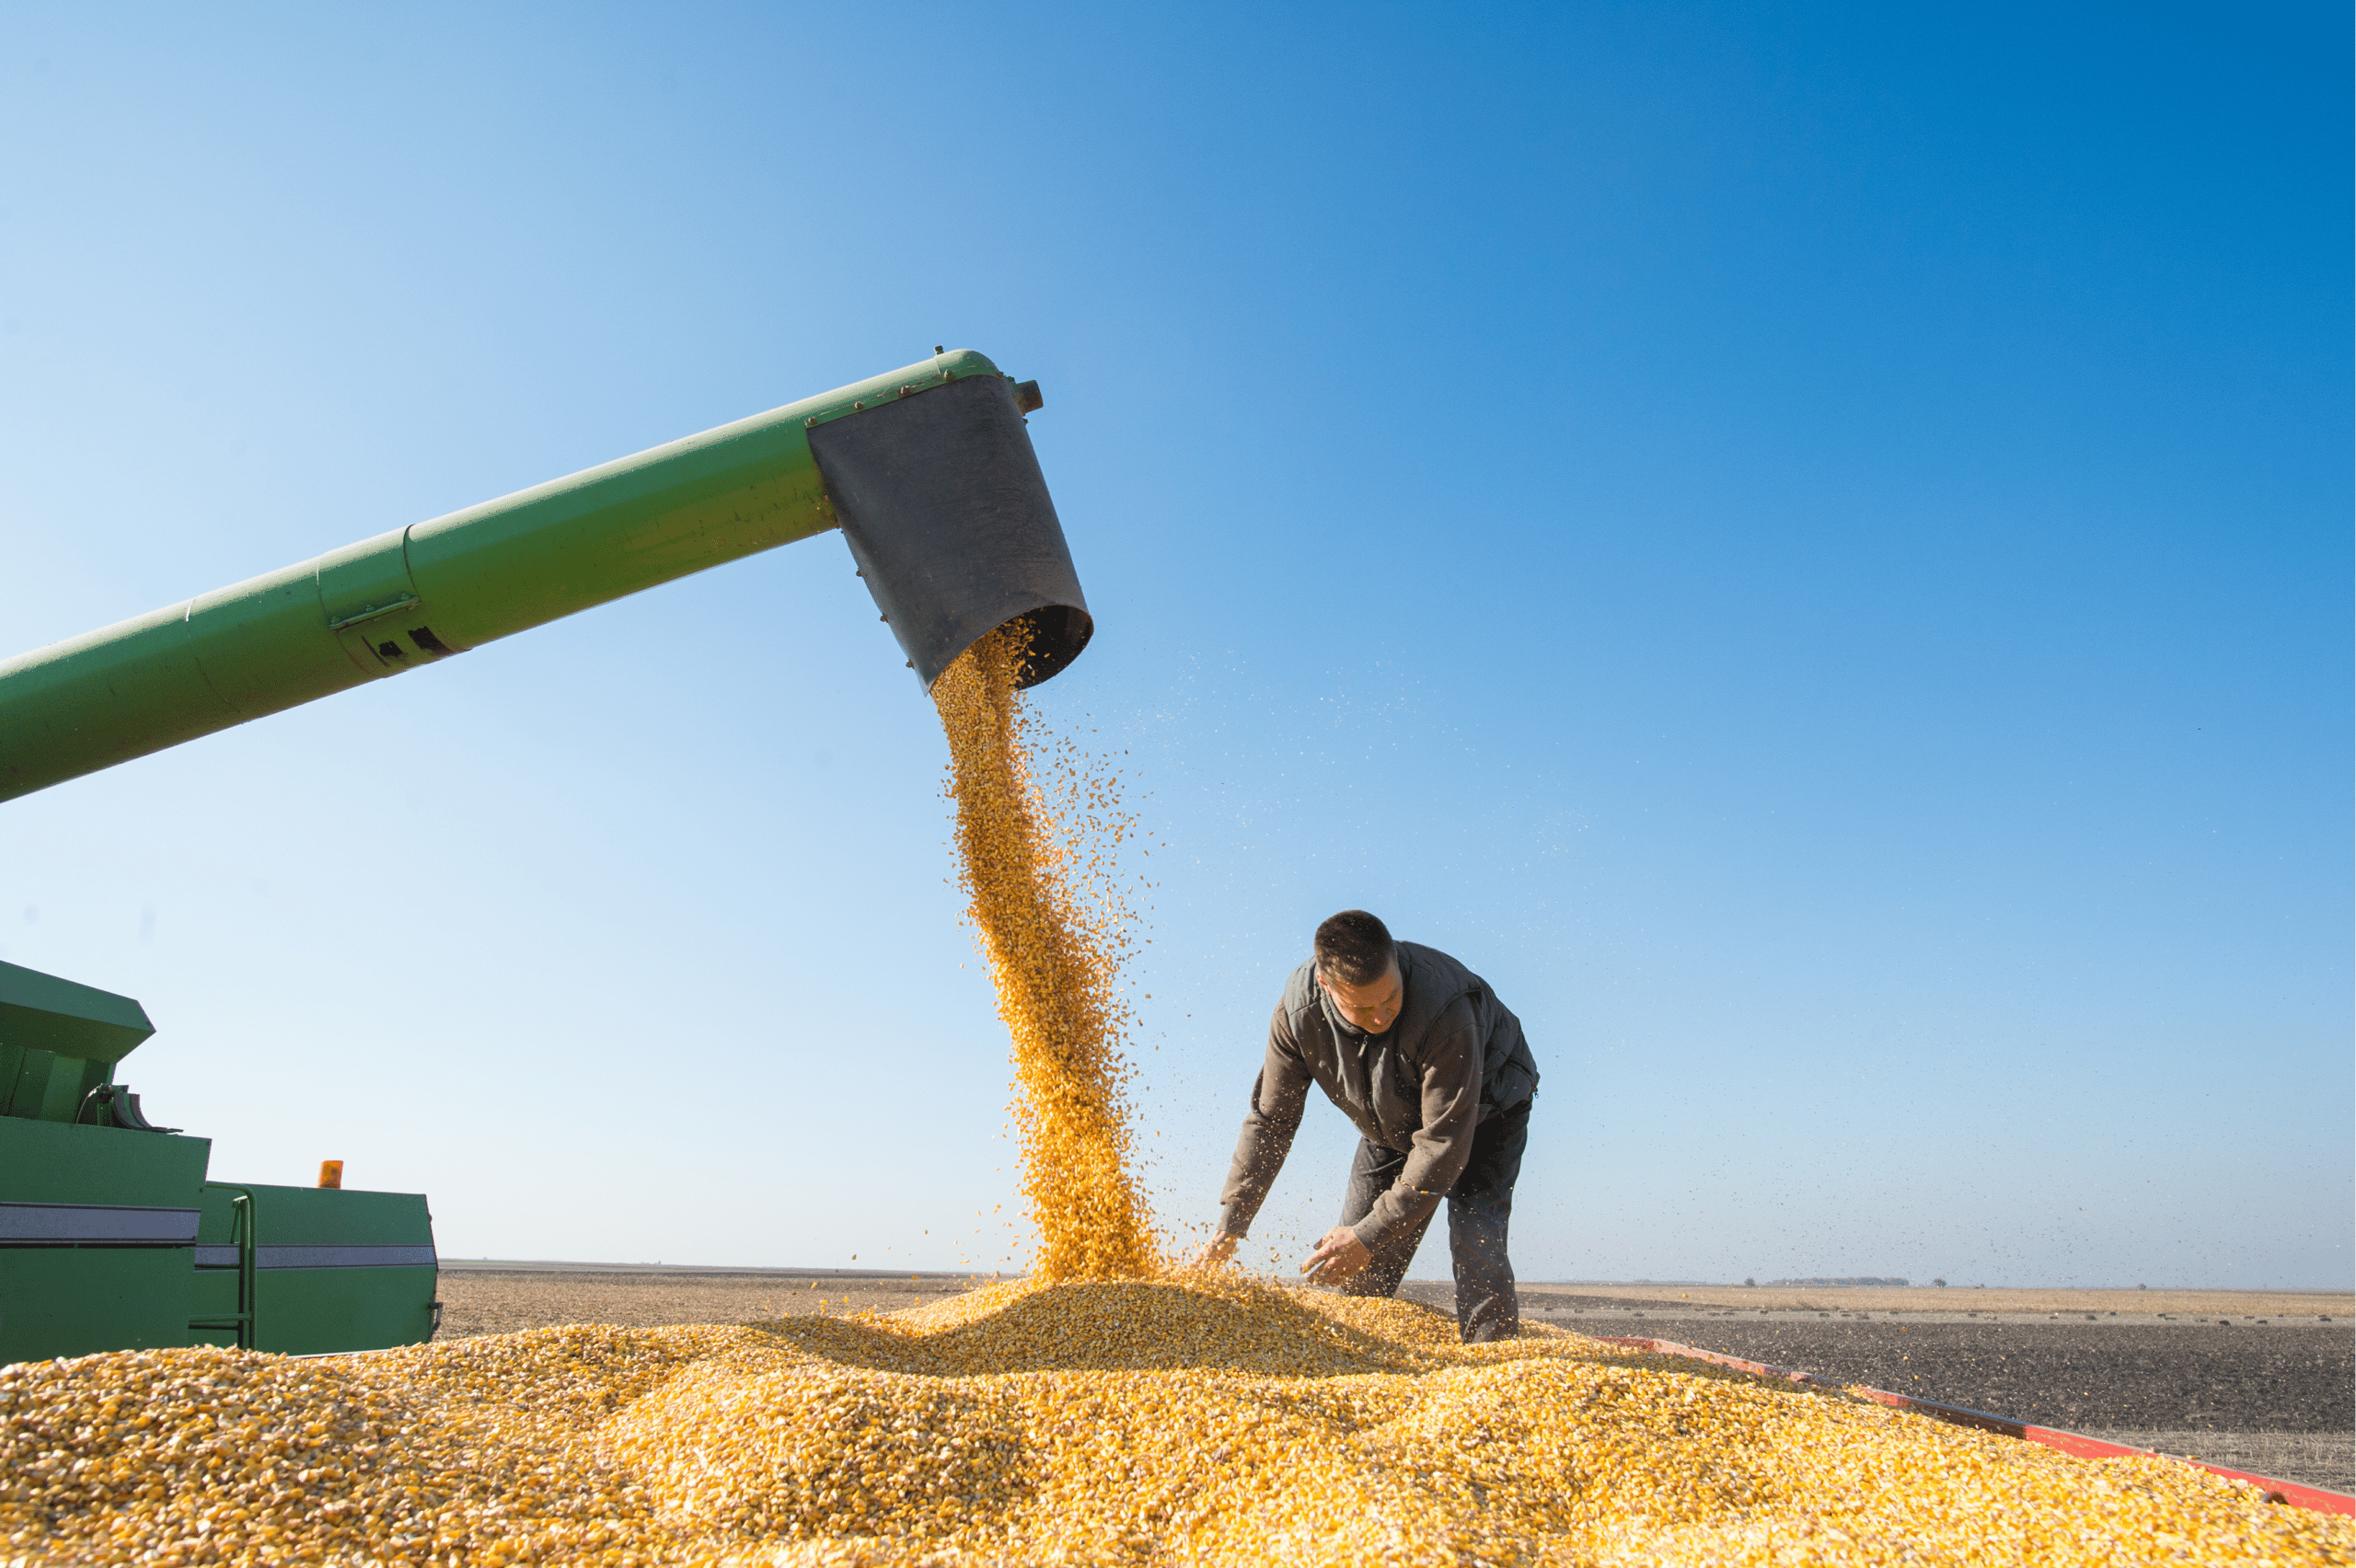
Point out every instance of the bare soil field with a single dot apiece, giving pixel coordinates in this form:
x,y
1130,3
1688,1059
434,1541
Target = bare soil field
x,y
2211,1304
500,1298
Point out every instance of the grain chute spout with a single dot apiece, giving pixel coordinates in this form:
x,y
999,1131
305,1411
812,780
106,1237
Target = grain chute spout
x,y
941,500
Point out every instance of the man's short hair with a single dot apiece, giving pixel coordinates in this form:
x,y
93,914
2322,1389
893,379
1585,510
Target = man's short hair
x,y
1354,948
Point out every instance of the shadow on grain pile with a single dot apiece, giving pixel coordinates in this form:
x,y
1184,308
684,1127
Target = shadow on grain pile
x,y
1113,1326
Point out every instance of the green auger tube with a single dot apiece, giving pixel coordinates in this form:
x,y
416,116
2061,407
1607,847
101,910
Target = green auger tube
x,y
929,470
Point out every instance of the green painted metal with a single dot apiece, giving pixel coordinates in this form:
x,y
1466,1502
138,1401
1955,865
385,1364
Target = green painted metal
x,y
236,1319
315,1312
59,1042
49,1162
77,1300
83,1267
418,595
336,1216
71,1300
342,1303
218,1308
69,1019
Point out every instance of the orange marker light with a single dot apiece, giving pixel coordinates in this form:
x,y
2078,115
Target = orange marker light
x,y
331,1174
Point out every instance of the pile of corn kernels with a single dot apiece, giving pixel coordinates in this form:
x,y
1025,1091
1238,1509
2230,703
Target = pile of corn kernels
x,y
1203,1419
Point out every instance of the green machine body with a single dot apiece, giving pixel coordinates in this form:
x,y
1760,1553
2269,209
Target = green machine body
x,y
111,1238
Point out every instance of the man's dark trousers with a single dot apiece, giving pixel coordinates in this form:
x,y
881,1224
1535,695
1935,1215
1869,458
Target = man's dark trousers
x,y
1478,1207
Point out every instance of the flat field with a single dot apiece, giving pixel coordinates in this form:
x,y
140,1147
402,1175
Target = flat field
x,y
503,1297
2211,1304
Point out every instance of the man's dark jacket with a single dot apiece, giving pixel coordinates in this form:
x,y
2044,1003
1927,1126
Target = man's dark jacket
x,y
1453,1058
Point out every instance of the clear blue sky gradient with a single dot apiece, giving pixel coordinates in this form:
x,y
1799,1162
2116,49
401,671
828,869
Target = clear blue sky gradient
x,y
1809,544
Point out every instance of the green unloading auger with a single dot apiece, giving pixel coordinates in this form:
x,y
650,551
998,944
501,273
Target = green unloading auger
x,y
111,1235
928,470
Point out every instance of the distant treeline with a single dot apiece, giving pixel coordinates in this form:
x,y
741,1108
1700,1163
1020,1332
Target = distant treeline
x,y
1860,1279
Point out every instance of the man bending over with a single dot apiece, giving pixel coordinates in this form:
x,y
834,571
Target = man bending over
x,y
1432,1069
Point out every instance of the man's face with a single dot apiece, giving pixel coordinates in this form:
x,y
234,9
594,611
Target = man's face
x,y
1372,1007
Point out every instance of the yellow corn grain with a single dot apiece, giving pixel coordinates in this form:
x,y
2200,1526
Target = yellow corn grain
x,y
1054,960
1187,1420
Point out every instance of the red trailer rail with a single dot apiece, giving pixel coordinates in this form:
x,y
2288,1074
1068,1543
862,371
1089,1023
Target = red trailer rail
x,y
2310,1497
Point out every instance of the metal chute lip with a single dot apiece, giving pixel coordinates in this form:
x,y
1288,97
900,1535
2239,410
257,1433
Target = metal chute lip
x,y
948,520
1058,634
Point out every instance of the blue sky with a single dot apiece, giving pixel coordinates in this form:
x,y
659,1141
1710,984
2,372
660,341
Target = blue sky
x,y
1809,544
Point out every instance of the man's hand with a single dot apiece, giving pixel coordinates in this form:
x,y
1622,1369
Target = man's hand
x,y
1213,1252
1340,1255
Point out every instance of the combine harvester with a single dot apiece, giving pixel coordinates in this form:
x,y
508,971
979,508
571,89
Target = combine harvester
x,y
112,1236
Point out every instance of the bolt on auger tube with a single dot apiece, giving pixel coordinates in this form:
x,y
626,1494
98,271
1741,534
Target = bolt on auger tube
x,y
928,469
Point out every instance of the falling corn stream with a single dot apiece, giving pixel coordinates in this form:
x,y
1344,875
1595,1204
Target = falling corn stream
x,y
1106,1410
1055,956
